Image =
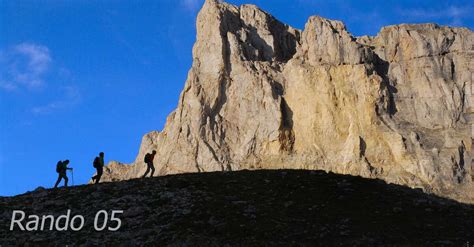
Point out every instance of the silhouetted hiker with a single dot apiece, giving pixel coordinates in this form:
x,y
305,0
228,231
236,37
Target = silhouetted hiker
x,y
149,162
61,168
99,166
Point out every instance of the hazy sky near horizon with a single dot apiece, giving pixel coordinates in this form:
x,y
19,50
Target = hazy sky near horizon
x,y
79,77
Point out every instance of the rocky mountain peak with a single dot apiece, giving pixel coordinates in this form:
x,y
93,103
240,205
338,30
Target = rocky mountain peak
x,y
328,42
261,94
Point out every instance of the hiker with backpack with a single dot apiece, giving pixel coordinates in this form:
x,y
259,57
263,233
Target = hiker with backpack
x,y
61,168
149,157
99,166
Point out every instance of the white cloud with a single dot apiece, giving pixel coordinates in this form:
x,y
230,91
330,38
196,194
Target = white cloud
x,y
24,65
455,13
30,66
39,57
191,5
71,97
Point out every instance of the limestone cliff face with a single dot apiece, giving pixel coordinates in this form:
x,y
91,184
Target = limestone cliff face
x,y
261,94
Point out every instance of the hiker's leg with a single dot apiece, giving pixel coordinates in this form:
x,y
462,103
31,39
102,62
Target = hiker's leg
x,y
65,180
96,175
57,181
100,170
152,170
147,170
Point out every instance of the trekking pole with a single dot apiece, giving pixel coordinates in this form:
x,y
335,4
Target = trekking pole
x,y
72,176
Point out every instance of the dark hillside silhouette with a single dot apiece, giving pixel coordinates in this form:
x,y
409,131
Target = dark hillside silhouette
x,y
276,207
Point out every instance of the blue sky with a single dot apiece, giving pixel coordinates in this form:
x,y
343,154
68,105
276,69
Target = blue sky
x,y
79,77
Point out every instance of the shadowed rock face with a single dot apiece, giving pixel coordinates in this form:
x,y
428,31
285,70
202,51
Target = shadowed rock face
x,y
246,208
261,94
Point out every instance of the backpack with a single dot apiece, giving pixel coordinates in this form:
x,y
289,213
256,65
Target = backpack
x,y
59,166
147,158
96,162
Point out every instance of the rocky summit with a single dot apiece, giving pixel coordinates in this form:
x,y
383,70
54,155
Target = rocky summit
x,y
247,208
263,95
